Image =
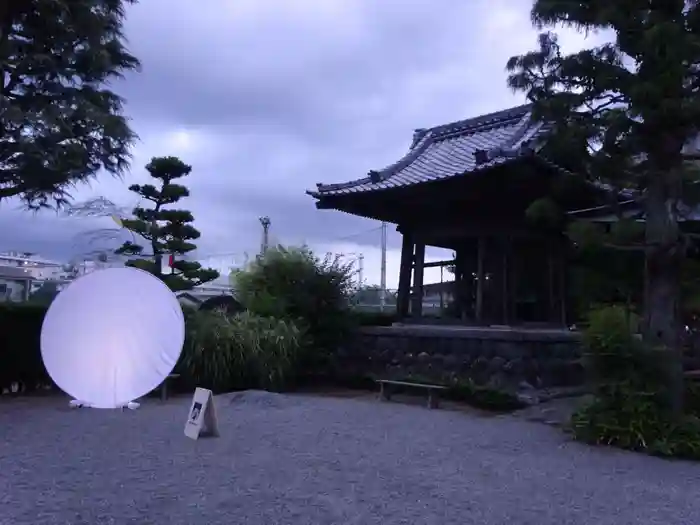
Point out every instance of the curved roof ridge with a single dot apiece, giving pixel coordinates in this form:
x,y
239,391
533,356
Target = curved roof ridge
x,y
518,117
423,138
484,120
376,176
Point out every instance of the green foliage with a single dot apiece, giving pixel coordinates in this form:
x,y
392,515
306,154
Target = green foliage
x,y
631,408
600,274
614,356
20,352
483,397
168,231
622,113
60,123
226,353
620,95
586,235
294,284
690,279
546,213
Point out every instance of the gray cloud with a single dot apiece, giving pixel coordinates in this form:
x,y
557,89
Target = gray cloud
x,y
265,99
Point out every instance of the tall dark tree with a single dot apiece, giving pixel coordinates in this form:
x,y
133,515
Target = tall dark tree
x,y
626,111
168,231
59,122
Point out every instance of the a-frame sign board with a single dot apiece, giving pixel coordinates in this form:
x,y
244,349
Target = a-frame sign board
x,y
201,419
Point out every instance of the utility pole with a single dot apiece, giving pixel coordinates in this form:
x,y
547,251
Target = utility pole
x,y
265,221
382,283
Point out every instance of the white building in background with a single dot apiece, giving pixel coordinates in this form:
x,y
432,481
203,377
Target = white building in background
x,y
15,283
37,267
40,270
23,273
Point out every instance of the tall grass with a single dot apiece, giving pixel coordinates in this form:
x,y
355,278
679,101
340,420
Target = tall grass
x,y
224,352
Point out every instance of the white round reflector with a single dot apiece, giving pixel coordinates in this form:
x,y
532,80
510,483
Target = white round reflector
x,y
112,336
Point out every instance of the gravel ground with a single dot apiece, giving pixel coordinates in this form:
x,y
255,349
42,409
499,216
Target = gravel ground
x,y
294,460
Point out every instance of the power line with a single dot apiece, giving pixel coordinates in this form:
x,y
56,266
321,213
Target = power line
x,y
225,254
372,230
243,254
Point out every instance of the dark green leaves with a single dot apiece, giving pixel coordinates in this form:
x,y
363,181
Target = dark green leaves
x,y
60,122
167,231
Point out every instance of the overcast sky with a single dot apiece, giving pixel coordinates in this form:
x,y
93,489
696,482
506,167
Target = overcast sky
x,y
264,98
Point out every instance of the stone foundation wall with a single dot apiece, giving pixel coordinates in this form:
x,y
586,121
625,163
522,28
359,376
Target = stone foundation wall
x,y
501,358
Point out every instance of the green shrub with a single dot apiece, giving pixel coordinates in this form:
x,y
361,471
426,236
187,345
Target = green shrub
x,y
630,409
226,353
632,420
294,284
483,397
20,351
614,356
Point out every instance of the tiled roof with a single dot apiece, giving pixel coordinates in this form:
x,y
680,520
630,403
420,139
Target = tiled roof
x,y
453,149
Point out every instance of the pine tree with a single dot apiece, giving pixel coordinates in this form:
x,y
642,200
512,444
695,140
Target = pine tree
x,y
59,123
169,232
626,111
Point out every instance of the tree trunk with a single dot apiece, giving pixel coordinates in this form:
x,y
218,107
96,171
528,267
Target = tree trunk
x,y
662,286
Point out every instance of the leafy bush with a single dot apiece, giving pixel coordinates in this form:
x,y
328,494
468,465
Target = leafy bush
x,y
630,409
483,397
294,284
226,353
20,351
614,356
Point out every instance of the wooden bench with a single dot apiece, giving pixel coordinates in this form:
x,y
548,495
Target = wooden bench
x,y
164,386
692,375
386,387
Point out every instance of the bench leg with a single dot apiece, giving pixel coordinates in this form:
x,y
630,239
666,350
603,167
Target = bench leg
x,y
384,393
164,391
433,400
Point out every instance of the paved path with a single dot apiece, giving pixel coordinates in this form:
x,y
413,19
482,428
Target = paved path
x,y
307,460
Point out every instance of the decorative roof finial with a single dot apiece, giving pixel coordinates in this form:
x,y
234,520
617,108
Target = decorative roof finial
x,y
418,134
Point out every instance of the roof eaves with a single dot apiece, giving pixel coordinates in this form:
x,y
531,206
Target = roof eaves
x,y
422,139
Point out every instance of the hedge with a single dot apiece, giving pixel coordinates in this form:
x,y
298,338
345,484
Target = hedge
x,y
20,351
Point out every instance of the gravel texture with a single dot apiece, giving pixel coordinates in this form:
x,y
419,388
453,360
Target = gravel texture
x,y
293,460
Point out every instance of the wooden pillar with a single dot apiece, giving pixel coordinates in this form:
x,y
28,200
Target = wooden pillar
x,y
551,282
418,271
480,279
460,283
563,296
557,267
514,266
403,294
561,262
505,281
